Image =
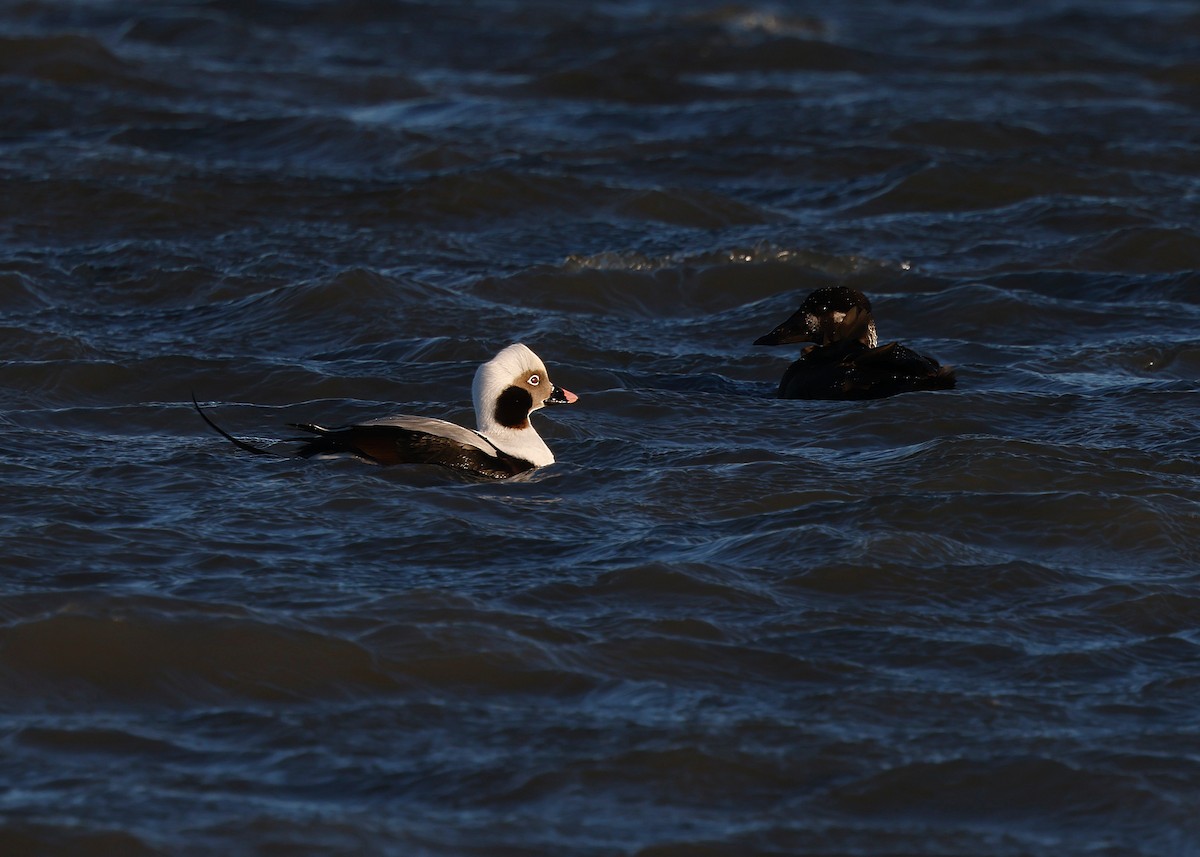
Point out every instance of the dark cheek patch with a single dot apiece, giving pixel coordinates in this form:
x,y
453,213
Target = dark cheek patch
x,y
512,408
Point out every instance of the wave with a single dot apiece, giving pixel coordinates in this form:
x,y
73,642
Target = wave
x,y
151,651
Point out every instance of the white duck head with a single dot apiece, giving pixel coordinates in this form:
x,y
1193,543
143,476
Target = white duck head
x,y
507,389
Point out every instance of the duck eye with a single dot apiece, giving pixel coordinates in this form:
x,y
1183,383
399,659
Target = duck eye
x,y
534,380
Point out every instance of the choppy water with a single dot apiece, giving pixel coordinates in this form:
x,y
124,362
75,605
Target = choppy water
x,y
956,623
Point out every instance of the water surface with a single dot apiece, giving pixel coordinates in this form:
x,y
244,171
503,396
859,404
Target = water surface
x,y
941,623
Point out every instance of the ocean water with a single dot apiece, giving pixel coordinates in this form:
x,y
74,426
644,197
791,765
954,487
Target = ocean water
x,y
958,623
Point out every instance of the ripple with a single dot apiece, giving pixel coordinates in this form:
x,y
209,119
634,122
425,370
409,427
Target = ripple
x,y
170,655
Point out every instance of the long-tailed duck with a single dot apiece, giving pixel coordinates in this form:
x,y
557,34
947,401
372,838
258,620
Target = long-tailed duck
x,y
507,390
847,361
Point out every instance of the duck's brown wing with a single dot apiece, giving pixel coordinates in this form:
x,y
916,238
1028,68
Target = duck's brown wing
x,y
412,440
397,440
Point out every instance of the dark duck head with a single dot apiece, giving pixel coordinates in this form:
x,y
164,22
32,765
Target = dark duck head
x,y
847,361
829,315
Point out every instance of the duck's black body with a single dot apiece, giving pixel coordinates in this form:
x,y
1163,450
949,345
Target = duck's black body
x,y
847,362
851,370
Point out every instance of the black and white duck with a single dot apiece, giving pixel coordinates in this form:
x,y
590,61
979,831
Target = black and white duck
x,y
507,390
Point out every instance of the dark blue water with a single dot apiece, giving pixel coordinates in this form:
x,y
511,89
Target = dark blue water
x,y
955,623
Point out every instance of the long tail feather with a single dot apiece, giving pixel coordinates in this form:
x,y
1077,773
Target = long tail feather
x,y
241,444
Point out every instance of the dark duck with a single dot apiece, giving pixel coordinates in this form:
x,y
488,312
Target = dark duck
x,y
847,361
507,390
